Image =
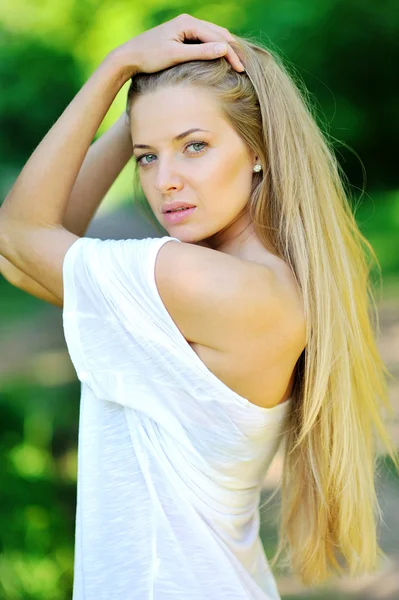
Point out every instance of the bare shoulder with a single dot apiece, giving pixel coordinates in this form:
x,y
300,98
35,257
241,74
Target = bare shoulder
x,y
216,299
289,289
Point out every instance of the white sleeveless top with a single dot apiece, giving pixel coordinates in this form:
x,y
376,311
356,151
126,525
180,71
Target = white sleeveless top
x,y
170,460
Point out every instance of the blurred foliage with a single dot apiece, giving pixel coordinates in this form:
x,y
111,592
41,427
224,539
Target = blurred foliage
x,y
378,218
38,432
38,82
345,51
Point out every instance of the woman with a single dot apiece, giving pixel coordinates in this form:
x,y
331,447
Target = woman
x,y
198,352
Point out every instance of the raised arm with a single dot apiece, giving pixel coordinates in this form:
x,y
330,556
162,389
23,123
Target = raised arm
x,y
103,163
101,166
32,235
19,280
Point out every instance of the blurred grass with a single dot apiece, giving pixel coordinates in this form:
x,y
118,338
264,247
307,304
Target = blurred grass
x,y
38,432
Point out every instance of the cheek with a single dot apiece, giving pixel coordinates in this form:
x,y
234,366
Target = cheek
x,y
233,175
148,191
146,185
215,165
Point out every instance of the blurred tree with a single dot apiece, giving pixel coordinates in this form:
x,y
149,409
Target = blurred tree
x,y
37,84
346,53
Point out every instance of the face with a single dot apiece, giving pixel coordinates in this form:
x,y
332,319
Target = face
x,y
210,168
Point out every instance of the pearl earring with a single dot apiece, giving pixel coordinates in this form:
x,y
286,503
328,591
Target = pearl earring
x,y
257,168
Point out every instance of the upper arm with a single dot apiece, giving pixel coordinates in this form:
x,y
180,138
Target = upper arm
x,y
39,253
31,287
216,299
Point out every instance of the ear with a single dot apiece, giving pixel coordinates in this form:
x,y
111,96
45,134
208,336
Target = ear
x,y
253,157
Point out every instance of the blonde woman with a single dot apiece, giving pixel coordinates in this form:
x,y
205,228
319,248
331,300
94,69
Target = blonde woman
x,y
200,351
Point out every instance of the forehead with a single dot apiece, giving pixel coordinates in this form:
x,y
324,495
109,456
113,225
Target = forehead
x,y
171,110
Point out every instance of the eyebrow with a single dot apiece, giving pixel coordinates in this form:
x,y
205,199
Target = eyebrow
x,y
179,137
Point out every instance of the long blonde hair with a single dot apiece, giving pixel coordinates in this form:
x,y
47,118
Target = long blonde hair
x,y
328,498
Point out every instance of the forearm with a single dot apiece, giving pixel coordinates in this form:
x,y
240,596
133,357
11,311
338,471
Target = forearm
x,y
41,193
104,161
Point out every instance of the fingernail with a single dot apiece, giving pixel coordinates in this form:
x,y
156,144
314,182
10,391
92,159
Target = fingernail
x,y
220,49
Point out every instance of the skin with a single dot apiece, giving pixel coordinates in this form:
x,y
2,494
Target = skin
x,y
215,178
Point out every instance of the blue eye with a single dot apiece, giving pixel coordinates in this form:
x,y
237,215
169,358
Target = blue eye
x,y
142,164
140,158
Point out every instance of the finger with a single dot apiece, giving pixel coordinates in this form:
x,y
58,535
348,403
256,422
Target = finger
x,y
204,51
205,34
221,31
234,59
229,38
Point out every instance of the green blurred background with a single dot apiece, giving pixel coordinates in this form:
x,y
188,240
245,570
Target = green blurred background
x,y
347,54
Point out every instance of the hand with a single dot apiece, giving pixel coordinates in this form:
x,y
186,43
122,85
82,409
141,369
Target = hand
x,y
163,46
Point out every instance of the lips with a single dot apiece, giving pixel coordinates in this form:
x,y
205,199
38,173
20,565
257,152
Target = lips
x,y
178,216
173,206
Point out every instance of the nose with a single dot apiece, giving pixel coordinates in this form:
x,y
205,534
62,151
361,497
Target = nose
x,y
167,179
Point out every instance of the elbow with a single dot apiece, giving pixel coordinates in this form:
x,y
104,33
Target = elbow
x,y
9,272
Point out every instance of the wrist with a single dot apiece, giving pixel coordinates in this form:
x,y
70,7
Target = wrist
x,y
124,62
123,125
